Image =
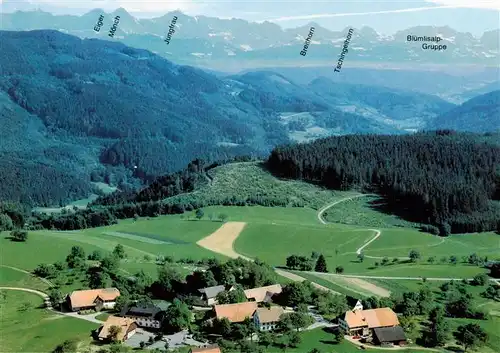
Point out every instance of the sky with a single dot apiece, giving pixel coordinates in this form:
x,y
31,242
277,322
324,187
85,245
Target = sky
x,y
387,17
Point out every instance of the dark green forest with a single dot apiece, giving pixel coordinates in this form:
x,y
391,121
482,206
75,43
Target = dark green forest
x,y
446,181
73,111
441,178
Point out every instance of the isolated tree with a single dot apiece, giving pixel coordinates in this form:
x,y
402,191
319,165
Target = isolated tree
x,y
56,298
492,292
431,259
438,331
471,336
265,339
19,235
295,339
223,217
113,333
361,257
68,346
5,222
321,264
199,213
338,337
45,271
453,260
119,252
385,261
177,316
480,279
414,255
339,269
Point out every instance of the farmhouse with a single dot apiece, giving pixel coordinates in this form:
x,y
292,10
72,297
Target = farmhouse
x,y
263,294
266,319
145,315
214,348
209,294
363,322
97,299
235,312
126,328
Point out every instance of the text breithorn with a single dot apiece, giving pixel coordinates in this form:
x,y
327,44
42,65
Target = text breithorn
x,y
344,50
303,52
171,30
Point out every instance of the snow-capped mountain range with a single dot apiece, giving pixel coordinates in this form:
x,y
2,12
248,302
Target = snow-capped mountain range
x,y
225,44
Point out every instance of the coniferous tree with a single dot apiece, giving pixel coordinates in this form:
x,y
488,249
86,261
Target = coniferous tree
x,y
321,264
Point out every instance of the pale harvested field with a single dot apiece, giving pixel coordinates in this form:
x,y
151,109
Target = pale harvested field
x,y
355,284
361,283
221,241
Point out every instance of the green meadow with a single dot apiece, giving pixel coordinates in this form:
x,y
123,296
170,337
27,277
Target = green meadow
x,y
25,327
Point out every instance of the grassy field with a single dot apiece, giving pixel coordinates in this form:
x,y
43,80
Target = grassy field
x,y
178,237
12,278
24,327
273,234
363,212
322,340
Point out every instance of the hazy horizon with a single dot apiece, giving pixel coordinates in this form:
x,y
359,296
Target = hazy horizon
x,y
386,17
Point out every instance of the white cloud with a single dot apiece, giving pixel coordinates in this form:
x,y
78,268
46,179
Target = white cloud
x,y
447,4
328,15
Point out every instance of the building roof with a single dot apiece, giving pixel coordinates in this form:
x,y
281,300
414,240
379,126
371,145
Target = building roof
x,y
122,322
84,298
210,349
271,314
235,312
211,292
141,309
389,334
372,318
260,294
355,318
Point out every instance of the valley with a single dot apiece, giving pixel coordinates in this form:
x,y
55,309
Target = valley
x,y
203,180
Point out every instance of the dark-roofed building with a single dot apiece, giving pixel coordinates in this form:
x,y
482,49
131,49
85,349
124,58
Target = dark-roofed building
x,y
145,315
385,335
209,294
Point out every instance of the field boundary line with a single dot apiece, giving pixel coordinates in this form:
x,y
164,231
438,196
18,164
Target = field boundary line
x,y
44,280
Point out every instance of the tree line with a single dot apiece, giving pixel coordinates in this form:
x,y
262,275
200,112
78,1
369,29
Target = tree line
x,y
445,179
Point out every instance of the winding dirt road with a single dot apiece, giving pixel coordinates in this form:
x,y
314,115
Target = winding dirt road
x,y
324,208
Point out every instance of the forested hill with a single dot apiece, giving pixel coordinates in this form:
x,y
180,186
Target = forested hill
x,y
481,113
76,111
446,179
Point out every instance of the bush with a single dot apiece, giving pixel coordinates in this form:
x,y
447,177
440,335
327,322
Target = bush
x,y
19,235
